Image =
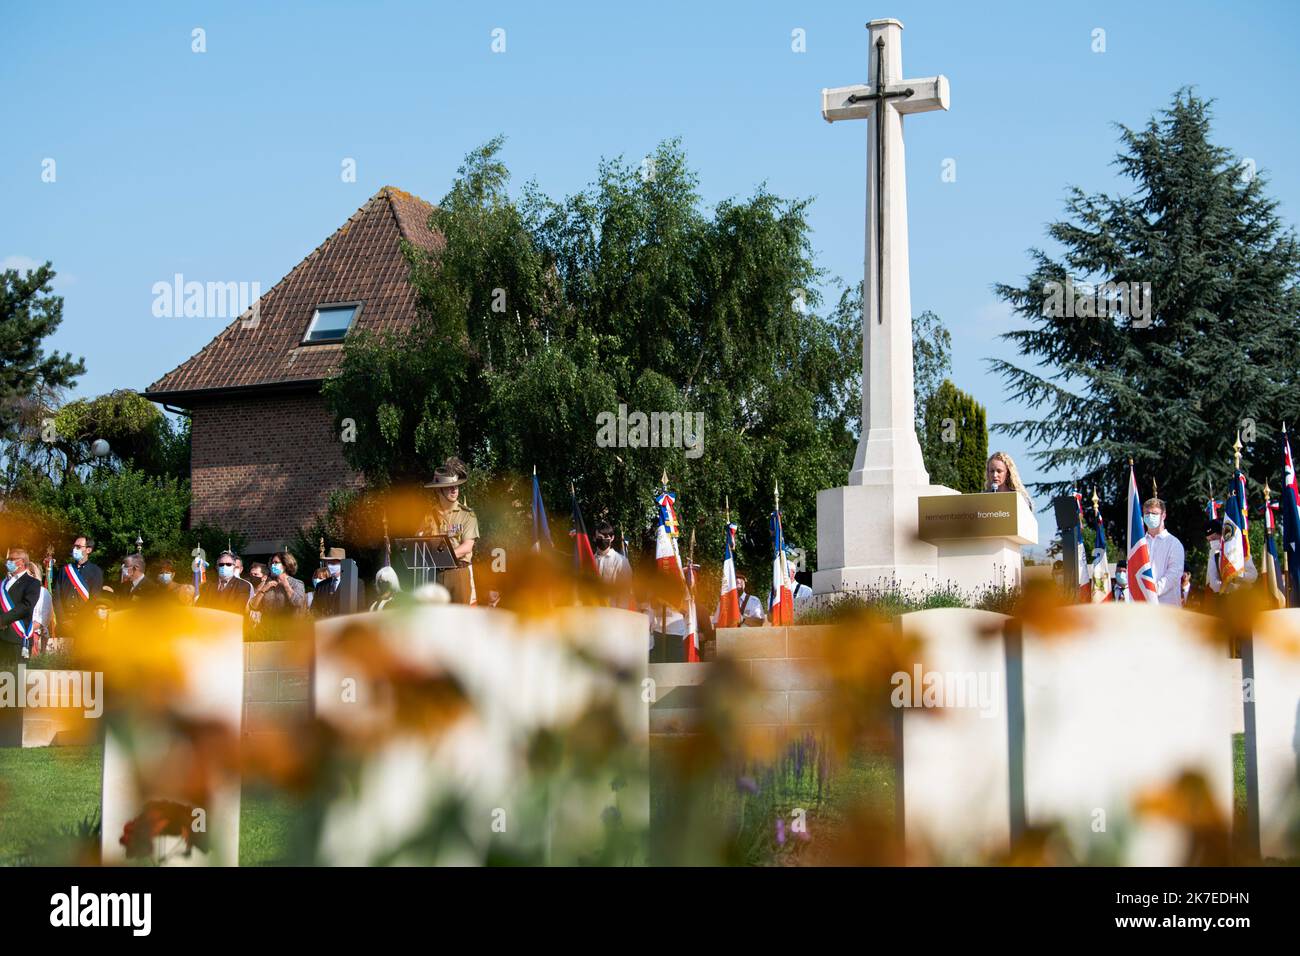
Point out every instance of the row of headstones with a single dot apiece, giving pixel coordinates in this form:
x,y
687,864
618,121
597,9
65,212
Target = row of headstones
x,y
517,675
1065,729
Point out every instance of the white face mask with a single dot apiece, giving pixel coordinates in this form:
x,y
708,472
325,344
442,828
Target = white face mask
x,y
1151,521
165,578
334,569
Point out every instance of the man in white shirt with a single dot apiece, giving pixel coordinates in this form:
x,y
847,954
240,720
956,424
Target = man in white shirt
x,y
1167,555
612,566
751,608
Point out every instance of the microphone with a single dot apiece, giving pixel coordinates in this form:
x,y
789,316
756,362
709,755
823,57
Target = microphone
x,y
993,485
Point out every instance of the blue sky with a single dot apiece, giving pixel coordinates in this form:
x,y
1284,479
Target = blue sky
x,y
225,165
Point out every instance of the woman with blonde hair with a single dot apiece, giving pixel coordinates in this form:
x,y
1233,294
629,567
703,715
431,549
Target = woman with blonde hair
x,y
1000,475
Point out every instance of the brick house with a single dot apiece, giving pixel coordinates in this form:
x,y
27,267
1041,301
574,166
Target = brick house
x,y
265,454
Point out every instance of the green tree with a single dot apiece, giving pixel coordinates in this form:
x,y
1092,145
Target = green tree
x,y
956,442
29,313
1218,349
114,506
931,362
541,315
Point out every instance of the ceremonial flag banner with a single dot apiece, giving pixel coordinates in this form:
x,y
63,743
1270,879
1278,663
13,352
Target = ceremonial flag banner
x,y
1232,559
1273,569
1141,575
665,532
1290,508
669,560
1082,571
541,527
781,601
729,603
1100,591
584,558
692,619
1243,509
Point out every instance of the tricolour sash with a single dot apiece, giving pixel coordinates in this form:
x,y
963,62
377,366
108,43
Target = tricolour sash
x,y
77,584
7,605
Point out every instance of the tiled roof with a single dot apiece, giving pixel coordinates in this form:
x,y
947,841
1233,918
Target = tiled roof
x,y
361,262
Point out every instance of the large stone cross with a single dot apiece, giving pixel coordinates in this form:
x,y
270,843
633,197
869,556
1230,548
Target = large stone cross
x,y
888,451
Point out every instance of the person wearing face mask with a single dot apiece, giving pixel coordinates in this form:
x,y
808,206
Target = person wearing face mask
x,y
167,576
19,594
1167,555
281,595
325,602
77,585
1121,580
1214,563
226,592
612,566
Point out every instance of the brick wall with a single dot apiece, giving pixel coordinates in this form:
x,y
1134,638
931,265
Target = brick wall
x,y
265,466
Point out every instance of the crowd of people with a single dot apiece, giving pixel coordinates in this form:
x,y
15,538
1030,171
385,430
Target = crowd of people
x,y
39,612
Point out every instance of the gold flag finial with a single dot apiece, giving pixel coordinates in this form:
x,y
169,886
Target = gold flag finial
x,y
1096,502
1236,451
664,478
1267,493
1155,492
728,500
776,494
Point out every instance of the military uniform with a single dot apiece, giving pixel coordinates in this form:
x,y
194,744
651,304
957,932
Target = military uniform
x,y
460,524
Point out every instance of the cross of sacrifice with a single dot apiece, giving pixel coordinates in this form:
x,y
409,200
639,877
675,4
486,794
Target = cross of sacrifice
x,y
887,399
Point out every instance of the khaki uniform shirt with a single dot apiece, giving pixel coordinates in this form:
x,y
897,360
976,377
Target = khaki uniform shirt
x,y
458,523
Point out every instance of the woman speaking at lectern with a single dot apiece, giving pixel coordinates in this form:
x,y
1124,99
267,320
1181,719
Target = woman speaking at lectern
x,y
1000,475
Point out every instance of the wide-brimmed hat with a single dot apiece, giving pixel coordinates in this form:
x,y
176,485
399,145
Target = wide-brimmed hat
x,y
445,478
334,554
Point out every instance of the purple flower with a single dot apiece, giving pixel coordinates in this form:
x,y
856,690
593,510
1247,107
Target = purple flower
x,y
780,831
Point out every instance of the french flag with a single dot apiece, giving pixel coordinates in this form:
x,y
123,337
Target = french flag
x,y
781,602
692,619
1141,574
729,604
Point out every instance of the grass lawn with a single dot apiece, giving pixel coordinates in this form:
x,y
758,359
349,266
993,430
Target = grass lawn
x,y
49,803
49,807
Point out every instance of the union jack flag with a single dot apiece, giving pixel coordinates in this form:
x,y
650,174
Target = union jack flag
x,y
1141,573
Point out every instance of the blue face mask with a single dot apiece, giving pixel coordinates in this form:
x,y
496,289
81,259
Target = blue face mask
x,y
78,555
165,578
1152,521
11,566
277,570
225,571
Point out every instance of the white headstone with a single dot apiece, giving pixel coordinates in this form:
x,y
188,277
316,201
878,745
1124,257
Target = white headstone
x,y
209,648
1119,699
1276,692
956,785
519,677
